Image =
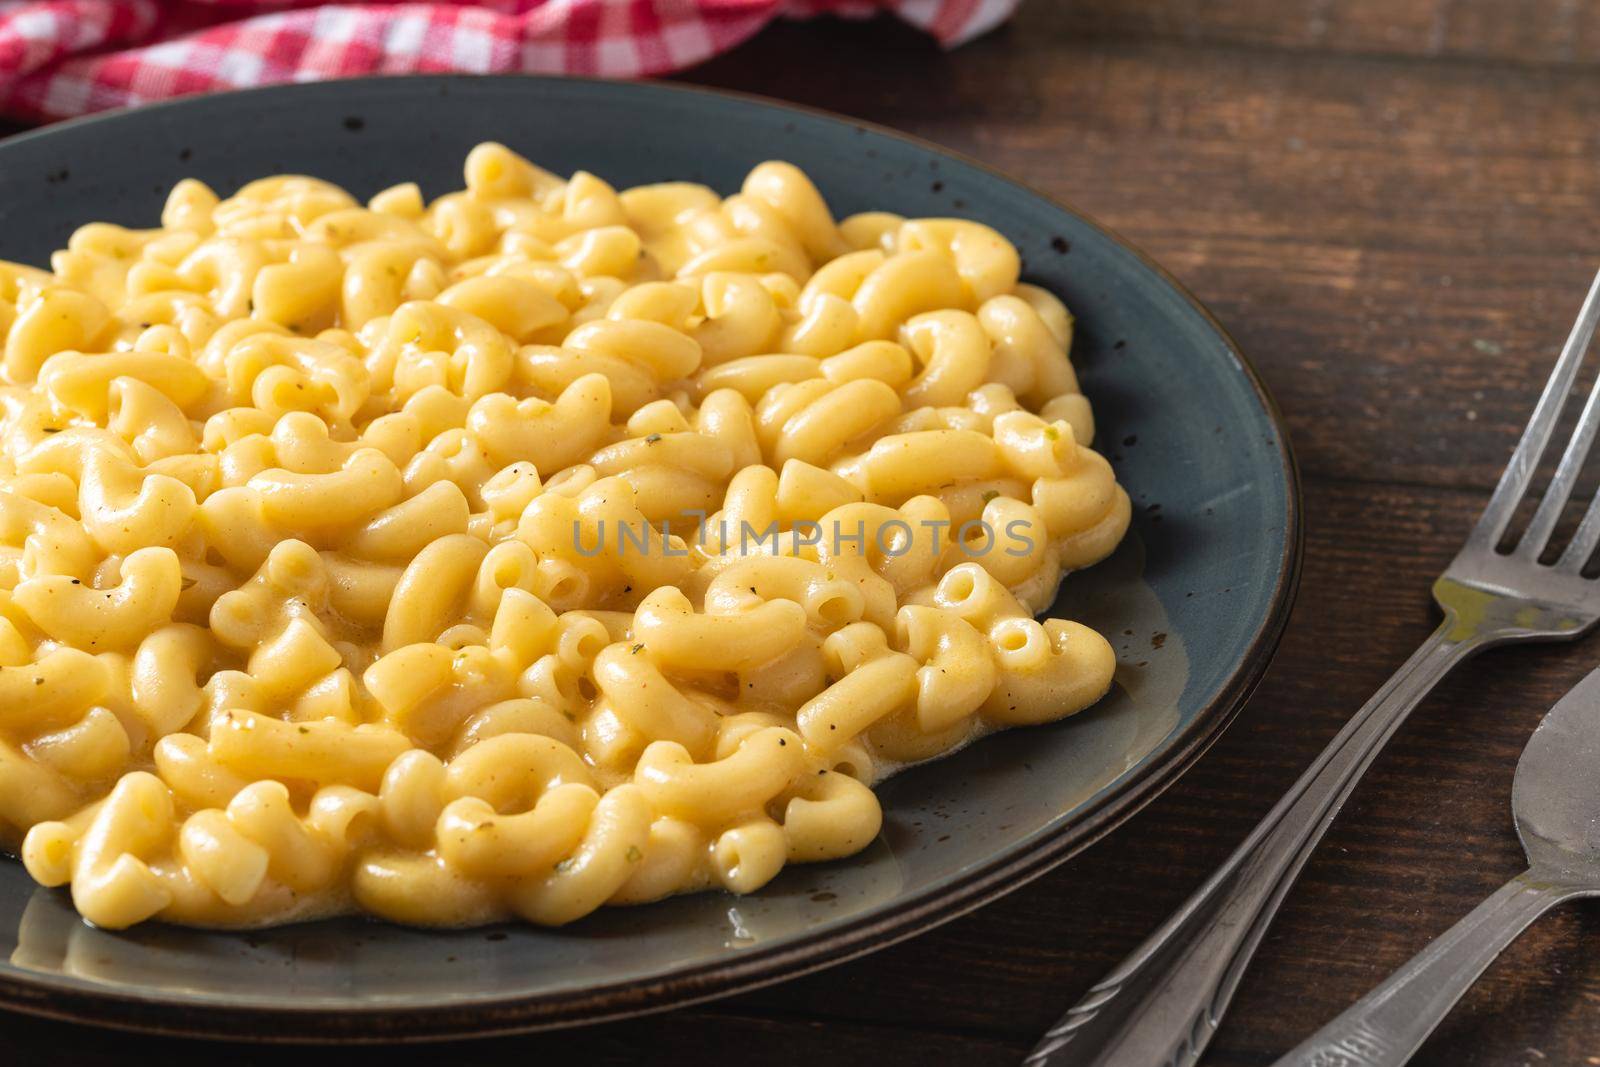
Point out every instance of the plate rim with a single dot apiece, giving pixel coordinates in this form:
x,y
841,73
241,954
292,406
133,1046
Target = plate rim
x,y
82,1000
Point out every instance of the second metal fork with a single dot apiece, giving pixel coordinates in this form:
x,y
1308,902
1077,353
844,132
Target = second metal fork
x,y
1163,1004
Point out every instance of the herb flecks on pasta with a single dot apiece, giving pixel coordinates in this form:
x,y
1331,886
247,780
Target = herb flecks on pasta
x,y
535,549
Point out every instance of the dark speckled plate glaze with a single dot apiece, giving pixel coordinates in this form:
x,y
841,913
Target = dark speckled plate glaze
x,y
1195,600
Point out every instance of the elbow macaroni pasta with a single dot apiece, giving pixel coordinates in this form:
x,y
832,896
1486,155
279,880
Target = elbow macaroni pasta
x,y
398,558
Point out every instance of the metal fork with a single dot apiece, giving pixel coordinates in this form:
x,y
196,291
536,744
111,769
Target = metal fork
x,y
1163,1004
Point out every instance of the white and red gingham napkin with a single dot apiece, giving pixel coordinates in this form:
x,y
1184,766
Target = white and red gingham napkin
x,y
68,57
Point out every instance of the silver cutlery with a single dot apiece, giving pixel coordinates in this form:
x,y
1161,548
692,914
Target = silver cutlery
x,y
1556,801
1163,1004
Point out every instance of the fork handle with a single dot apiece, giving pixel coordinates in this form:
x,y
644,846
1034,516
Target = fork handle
x,y
1387,1026
1162,1005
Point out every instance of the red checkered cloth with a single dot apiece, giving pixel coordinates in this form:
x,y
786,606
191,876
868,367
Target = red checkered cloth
x,y
67,57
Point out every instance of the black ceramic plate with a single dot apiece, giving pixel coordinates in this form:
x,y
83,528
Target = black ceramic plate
x,y
1195,599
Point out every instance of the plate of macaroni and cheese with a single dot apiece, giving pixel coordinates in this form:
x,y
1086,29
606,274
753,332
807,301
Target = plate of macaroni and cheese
x,y
481,554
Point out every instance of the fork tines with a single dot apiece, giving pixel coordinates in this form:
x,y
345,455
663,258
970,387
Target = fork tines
x,y
1519,473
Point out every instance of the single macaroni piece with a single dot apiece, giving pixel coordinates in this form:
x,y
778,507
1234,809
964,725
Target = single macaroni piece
x,y
542,547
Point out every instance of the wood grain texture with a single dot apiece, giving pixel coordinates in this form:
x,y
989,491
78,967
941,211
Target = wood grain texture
x,y
1390,203
1524,31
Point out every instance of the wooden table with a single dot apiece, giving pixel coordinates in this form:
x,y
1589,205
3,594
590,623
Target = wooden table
x,y
1392,205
